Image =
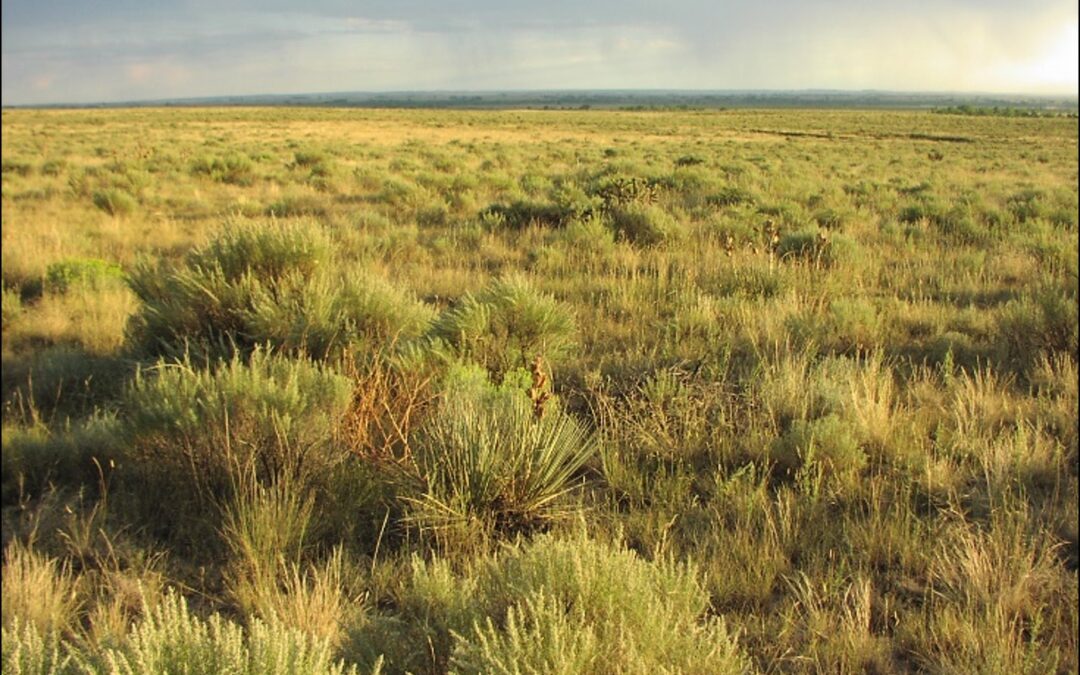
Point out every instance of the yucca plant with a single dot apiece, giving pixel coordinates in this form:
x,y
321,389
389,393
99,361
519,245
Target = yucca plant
x,y
491,461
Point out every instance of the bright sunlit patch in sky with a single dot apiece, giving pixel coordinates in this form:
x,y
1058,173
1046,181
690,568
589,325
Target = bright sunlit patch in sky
x,y
1050,66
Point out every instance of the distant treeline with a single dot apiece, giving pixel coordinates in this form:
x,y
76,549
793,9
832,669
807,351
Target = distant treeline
x,y
1000,111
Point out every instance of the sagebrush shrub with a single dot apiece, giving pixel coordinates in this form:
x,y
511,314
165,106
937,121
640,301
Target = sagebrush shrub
x,y
274,285
558,605
234,169
628,615
29,651
114,201
197,433
506,325
645,225
172,640
323,317
810,246
829,440
522,214
1041,323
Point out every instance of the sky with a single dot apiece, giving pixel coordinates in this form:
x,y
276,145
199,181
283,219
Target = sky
x,y
78,51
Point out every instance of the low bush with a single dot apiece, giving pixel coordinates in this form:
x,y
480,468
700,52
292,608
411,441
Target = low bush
x,y
84,272
172,640
233,169
1041,323
814,247
195,435
645,226
12,307
561,603
324,317
270,285
507,325
830,441
297,206
619,192
556,606
36,458
522,214
114,201
730,196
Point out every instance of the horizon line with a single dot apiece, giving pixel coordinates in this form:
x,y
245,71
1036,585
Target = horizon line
x,y
1072,97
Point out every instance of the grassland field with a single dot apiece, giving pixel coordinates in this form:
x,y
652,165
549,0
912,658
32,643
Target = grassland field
x,y
342,390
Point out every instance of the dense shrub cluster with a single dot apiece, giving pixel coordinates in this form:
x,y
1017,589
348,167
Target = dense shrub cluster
x,y
272,285
556,605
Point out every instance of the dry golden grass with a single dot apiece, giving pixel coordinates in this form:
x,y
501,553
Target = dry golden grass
x,y
862,429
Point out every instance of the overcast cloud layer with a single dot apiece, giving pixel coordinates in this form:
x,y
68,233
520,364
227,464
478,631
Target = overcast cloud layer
x,y
115,50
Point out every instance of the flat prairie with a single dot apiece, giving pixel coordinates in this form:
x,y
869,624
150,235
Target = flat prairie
x,y
355,390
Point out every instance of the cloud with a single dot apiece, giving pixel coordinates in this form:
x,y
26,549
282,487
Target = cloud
x,y
123,49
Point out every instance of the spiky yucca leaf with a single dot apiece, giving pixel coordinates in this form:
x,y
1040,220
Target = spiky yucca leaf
x,y
491,461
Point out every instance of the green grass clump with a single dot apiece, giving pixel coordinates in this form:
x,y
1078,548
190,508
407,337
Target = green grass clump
x,y
88,273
